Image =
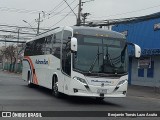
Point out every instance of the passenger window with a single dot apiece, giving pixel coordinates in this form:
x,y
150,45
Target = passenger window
x,y
48,43
56,44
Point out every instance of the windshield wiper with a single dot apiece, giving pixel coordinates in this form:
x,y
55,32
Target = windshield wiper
x,y
92,65
123,53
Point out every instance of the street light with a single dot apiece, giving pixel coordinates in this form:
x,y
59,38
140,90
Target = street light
x,y
29,25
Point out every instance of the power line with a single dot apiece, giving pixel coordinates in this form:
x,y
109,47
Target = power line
x,y
51,11
60,10
13,41
129,12
56,7
63,17
6,9
70,8
12,26
14,37
16,32
23,38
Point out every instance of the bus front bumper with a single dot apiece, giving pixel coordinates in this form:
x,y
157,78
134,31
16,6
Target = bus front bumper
x,y
98,91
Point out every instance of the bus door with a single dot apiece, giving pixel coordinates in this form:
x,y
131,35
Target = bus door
x,y
66,60
66,68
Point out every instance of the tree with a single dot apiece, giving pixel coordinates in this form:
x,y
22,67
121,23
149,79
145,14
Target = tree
x,y
9,53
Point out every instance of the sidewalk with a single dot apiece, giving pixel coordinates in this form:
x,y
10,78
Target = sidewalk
x,y
142,91
11,74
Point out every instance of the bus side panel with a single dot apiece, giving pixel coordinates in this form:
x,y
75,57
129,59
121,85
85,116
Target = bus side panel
x,y
53,65
54,68
44,71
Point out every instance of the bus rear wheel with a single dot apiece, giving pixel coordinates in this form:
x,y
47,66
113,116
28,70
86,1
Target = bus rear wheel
x,y
55,91
29,80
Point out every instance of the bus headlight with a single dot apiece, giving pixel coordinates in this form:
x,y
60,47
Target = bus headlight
x,y
80,79
122,82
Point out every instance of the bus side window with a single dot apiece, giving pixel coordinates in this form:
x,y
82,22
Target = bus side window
x,y
39,47
48,44
27,50
56,44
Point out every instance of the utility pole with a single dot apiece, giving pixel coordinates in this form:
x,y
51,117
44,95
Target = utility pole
x,y
39,20
79,13
38,23
16,66
70,8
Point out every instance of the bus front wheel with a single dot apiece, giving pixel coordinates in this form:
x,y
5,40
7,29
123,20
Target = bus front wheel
x,y
55,91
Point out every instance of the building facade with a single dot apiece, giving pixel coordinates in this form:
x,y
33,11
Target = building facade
x,y
146,70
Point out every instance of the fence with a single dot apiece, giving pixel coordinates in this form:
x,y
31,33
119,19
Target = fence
x,y
11,67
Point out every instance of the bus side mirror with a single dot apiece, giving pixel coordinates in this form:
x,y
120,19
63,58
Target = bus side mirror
x,y
74,44
137,51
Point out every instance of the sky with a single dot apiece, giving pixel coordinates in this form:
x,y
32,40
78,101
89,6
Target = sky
x,y
13,12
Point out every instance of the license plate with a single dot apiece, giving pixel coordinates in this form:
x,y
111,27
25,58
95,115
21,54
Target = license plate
x,y
104,91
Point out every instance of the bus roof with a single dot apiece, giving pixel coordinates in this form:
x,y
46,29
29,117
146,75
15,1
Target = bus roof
x,y
96,32
85,31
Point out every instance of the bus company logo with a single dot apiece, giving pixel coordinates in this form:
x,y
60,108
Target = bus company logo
x,y
101,81
45,62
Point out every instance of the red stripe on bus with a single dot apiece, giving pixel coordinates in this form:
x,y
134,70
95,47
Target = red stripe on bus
x,y
35,80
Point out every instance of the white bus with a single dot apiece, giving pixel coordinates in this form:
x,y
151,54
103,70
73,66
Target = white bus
x,y
79,61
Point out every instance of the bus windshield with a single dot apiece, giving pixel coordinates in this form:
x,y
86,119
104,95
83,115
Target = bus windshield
x,y
98,54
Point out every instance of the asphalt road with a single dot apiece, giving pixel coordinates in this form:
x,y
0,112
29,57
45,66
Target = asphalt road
x,y
15,95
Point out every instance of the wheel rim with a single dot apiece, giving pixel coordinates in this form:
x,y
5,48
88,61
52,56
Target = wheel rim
x,y
29,82
55,88
29,79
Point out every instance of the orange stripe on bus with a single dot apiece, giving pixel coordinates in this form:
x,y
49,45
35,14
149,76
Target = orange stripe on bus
x,y
35,80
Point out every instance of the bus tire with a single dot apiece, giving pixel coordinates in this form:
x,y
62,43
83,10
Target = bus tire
x,y
55,91
30,84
